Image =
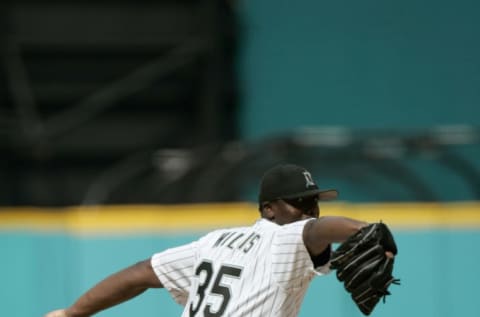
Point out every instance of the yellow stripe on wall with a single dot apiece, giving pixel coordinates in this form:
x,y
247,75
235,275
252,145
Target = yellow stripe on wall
x,y
199,217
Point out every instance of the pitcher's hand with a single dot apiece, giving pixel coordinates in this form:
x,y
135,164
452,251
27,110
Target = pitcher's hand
x,y
57,313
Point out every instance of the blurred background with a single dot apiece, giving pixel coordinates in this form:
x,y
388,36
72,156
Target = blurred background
x,y
118,104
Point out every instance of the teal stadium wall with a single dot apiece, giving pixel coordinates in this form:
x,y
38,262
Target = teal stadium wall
x,y
41,271
361,64
407,66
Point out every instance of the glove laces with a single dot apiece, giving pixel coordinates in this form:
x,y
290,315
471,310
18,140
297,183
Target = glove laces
x,y
384,292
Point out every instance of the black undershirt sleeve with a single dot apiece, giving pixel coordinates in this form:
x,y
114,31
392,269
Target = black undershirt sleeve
x,y
322,258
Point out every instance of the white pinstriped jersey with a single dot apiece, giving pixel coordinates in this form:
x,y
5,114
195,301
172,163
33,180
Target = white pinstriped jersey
x,y
258,271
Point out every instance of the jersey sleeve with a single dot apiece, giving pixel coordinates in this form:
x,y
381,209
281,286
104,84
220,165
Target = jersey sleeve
x,y
175,268
292,265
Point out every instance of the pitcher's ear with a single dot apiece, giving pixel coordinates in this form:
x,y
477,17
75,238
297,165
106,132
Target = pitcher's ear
x,y
267,211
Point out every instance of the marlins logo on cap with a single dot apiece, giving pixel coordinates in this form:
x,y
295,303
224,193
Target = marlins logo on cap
x,y
287,181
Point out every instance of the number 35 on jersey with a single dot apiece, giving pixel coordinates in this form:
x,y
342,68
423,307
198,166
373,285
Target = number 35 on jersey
x,y
213,285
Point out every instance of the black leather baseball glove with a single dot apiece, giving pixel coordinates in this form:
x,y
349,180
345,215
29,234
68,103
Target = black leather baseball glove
x,y
362,265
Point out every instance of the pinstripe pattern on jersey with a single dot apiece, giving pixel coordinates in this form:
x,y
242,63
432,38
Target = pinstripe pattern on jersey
x,y
276,270
291,263
175,268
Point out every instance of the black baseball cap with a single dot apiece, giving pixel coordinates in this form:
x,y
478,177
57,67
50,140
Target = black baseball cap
x,y
289,181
